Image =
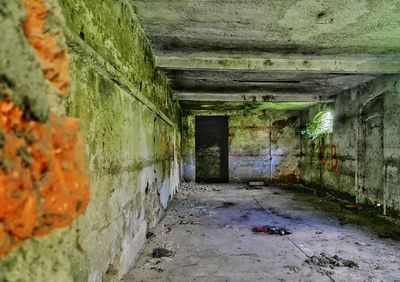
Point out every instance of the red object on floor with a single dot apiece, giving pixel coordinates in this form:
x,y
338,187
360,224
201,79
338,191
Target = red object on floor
x,y
260,229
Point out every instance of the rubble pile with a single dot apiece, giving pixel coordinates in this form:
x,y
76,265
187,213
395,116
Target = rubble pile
x,y
325,260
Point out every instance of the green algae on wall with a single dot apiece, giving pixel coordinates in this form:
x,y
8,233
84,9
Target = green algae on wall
x,y
131,125
263,144
360,157
132,129
24,78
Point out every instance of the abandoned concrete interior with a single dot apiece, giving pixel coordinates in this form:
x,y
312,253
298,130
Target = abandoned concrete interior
x,y
199,140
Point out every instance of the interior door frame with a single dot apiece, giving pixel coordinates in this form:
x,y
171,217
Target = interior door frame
x,y
224,167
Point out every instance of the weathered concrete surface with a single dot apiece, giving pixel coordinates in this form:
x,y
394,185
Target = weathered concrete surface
x,y
268,62
364,140
44,184
391,153
266,82
268,50
131,124
18,65
263,145
131,127
249,105
188,148
306,26
213,241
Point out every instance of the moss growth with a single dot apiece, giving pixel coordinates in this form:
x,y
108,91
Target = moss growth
x,y
24,154
320,126
252,106
2,138
4,163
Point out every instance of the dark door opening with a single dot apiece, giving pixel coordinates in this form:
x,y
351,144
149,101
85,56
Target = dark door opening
x,y
212,149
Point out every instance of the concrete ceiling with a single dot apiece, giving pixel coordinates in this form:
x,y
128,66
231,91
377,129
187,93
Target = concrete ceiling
x,y
227,53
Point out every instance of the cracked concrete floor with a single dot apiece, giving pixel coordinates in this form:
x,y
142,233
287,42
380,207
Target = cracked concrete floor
x,y
213,241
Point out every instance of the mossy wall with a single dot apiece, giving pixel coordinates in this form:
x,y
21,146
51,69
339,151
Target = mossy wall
x,y
361,156
130,127
263,145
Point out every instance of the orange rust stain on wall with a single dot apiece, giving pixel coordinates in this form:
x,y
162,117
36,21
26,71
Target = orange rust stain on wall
x,y
53,59
43,179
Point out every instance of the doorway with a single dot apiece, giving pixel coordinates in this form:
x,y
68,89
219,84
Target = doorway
x,y
211,149
372,150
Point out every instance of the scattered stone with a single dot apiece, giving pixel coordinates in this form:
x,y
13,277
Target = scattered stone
x,y
272,230
154,261
150,235
330,261
292,268
256,183
161,252
191,222
375,266
360,244
354,206
227,205
189,189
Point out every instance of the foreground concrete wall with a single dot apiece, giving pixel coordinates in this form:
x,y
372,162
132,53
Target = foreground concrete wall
x,y
131,130
360,157
263,145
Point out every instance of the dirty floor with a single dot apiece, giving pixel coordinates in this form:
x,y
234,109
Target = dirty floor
x,y
206,235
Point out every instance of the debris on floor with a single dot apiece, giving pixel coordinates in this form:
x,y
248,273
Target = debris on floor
x,y
256,183
223,245
341,221
157,269
150,235
362,244
227,205
273,230
161,252
354,206
189,189
292,268
191,222
330,261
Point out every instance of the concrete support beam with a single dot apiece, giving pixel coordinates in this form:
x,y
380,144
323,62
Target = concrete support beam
x,y
355,64
252,97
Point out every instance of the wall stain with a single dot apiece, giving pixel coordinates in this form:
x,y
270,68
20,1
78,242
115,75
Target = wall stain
x,y
44,185
53,59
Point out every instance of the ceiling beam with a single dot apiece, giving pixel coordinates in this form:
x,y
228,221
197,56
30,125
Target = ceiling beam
x,y
252,97
330,64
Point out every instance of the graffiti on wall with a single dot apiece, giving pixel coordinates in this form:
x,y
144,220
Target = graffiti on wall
x,y
329,157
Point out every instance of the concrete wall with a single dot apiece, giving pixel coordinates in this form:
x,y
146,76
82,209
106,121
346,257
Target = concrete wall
x,y
263,145
365,140
130,127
